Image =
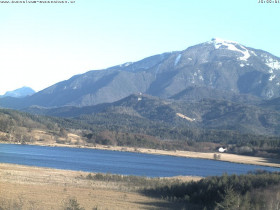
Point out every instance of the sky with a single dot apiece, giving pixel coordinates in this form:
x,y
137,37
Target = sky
x,y
45,43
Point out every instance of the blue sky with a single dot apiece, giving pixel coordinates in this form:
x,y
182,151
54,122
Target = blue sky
x,y
41,44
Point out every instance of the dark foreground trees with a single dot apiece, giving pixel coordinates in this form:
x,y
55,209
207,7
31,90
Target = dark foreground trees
x,y
260,190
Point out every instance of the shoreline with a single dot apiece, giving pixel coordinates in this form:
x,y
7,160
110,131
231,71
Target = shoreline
x,y
233,158
17,167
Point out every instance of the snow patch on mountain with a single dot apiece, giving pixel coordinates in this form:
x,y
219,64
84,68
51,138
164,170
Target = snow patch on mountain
x,y
126,64
252,52
197,74
272,77
177,59
157,70
273,64
270,93
231,45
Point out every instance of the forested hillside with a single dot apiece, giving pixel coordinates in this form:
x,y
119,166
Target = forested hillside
x,y
258,190
259,119
26,128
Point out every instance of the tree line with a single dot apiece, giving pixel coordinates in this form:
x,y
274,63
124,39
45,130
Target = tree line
x,y
127,130
258,190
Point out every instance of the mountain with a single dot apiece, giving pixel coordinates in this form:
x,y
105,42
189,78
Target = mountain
x,y
232,70
197,93
273,104
20,92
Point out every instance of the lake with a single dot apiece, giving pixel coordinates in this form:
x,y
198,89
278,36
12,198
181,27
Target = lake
x,y
126,163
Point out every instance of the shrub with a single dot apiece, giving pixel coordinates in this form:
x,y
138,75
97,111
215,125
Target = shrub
x,y
72,204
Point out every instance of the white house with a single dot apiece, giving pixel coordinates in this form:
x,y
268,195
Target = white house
x,y
221,149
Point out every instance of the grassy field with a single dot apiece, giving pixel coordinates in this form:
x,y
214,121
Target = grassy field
x,y
24,187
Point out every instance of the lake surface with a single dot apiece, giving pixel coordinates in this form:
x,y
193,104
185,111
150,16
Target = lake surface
x,y
127,163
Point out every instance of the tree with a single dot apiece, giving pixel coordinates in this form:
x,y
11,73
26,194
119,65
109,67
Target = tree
x,y
231,200
217,156
62,132
72,204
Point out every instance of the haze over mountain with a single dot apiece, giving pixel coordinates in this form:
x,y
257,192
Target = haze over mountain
x,y
236,72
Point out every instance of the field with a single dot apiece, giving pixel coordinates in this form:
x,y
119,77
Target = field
x,y
24,187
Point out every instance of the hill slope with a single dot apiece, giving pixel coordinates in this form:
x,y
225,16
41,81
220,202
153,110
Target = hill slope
x,y
22,127
204,114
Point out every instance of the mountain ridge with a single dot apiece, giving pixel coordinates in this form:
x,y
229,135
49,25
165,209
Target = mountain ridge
x,y
260,119
216,65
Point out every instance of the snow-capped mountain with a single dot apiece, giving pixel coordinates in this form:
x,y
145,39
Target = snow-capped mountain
x,y
217,66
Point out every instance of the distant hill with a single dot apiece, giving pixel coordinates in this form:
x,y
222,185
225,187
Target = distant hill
x,y
203,114
217,68
20,92
20,127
